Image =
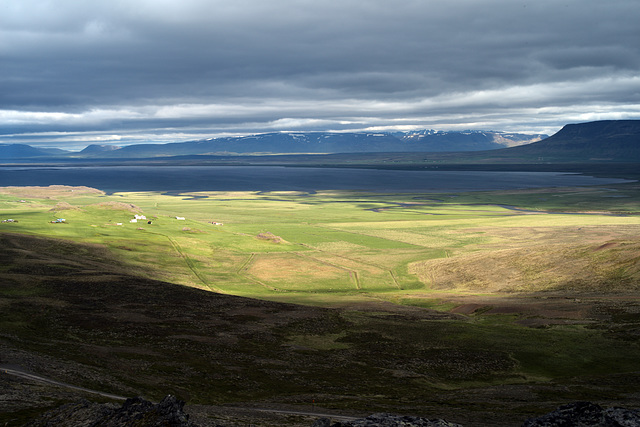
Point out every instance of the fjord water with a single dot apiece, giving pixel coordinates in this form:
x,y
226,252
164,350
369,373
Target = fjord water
x,y
271,178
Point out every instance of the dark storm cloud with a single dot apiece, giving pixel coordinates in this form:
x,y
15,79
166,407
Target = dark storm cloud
x,y
138,70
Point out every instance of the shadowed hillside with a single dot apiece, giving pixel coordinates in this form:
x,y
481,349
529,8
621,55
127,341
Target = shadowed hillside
x,y
609,140
75,313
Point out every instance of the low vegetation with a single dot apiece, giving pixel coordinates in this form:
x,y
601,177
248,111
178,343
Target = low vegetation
x,y
477,306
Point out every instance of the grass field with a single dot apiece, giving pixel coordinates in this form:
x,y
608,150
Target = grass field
x,y
447,295
294,246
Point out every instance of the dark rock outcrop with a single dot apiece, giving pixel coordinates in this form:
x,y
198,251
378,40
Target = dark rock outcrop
x,y
134,412
387,420
586,414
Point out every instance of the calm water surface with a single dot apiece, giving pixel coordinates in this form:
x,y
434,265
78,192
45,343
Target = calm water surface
x,y
266,178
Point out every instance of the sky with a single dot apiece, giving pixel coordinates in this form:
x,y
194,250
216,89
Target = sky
x,y
120,72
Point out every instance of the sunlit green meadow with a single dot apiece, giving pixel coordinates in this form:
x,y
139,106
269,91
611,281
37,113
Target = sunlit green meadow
x,y
305,247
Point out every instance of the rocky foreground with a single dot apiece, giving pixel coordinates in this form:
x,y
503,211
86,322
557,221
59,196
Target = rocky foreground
x,y
170,413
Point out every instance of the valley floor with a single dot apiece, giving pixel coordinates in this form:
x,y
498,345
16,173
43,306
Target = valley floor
x,y
452,306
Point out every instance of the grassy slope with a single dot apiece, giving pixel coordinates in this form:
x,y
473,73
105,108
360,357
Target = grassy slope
x,y
336,249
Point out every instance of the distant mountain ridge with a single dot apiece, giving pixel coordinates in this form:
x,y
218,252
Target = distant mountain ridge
x,y
599,141
330,142
298,143
99,148
20,151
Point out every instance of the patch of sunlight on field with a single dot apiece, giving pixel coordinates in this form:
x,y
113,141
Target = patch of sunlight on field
x,y
370,277
417,239
292,272
311,235
346,261
605,265
379,282
339,243
247,242
385,225
561,220
338,247
393,259
430,237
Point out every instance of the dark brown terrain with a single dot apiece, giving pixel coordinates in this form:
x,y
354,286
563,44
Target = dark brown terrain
x,y
75,314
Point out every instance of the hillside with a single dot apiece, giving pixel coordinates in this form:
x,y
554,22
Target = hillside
x,y
612,265
20,151
71,313
610,140
98,149
605,143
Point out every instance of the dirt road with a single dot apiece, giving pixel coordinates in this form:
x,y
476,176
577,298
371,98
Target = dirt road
x,y
15,371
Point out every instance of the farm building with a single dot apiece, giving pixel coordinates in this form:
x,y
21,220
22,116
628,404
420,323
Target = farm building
x,y
180,218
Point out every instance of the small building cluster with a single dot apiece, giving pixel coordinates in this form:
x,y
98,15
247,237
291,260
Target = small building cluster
x,y
58,221
137,217
9,220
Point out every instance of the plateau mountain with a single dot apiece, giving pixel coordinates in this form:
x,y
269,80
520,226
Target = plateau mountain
x,y
608,140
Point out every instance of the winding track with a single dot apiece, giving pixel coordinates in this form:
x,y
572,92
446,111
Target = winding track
x,y
5,370
24,374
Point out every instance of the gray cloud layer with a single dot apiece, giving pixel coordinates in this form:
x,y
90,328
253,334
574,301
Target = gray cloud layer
x,y
75,72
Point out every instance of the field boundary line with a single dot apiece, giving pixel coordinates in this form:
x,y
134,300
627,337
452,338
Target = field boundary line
x,y
355,260
188,261
395,281
372,236
244,265
352,273
242,272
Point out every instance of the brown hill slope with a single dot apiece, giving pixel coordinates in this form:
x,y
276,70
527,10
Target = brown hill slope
x,y
608,266
76,314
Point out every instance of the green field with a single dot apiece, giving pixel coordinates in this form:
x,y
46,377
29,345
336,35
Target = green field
x,y
301,247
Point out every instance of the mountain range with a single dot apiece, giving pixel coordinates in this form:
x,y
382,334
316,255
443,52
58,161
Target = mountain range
x,y
599,141
295,143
